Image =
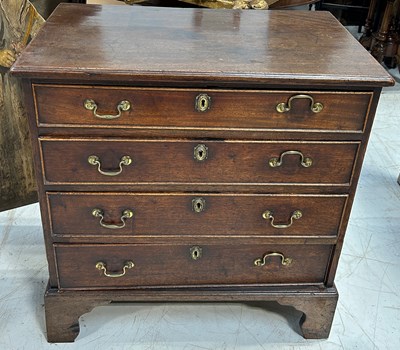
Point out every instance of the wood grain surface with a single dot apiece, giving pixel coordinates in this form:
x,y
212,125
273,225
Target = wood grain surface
x,y
172,162
175,108
161,59
158,265
198,45
173,214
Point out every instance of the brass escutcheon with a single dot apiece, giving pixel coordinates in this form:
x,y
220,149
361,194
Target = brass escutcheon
x,y
95,160
315,107
200,152
196,252
126,214
262,261
198,204
268,215
202,103
122,106
305,162
100,265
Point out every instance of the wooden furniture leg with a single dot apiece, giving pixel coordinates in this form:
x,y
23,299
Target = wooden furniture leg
x,y
63,309
62,314
366,38
318,313
378,49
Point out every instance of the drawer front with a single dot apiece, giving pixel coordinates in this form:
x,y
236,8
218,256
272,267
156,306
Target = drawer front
x,y
85,266
189,108
175,214
83,161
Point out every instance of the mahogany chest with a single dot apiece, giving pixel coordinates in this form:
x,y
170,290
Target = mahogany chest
x,y
195,155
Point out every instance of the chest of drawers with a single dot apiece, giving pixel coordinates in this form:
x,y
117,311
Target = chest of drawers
x,y
195,155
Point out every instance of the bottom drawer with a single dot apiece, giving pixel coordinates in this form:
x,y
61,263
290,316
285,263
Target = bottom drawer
x,y
135,265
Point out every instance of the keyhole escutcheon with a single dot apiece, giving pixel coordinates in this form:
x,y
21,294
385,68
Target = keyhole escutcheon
x,y
202,103
196,252
198,205
200,152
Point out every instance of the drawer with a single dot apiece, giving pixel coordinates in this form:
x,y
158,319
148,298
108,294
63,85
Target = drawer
x,y
177,214
85,266
92,161
222,109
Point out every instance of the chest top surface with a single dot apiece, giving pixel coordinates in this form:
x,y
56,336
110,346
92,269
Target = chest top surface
x,y
144,43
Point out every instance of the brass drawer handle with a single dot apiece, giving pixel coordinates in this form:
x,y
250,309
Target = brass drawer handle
x,y
202,103
306,162
268,215
95,160
198,205
196,252
100,265
126,214
200,152
91,105
315,107
262,261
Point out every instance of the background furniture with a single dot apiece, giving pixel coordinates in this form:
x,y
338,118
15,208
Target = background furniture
x,y
19,22
46,7
348,12
273,4
382,32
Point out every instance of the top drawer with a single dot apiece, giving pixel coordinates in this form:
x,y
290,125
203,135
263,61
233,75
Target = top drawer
x,y
64,106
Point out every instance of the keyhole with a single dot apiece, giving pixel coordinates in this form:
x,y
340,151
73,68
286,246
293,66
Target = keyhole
x,y
198,204
203,103
195,252
200,152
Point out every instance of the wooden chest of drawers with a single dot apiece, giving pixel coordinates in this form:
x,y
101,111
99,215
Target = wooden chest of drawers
x,y
196,155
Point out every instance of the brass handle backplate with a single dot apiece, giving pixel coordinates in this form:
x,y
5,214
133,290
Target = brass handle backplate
x,y
196,252
268,215
95,160
91,105
100,265
198,204
202,103
200,152
262,261
126,214
306,162
315,107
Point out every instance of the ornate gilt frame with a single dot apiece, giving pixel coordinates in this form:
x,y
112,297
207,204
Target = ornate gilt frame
x,y
224,4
